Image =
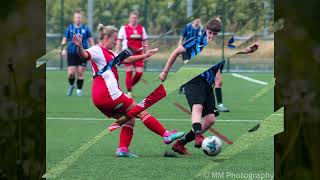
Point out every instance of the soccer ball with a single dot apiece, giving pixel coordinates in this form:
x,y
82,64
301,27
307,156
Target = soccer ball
x,y
211,146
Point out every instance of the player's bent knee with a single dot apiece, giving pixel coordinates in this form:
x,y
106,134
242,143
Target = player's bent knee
x,y
131,122
129,68
139,70
142,114
72,76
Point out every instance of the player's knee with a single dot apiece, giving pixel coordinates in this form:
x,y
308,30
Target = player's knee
x,y
129,69
139,70
80,75
131,122
197,108
72,75
142,114
211,119
218,84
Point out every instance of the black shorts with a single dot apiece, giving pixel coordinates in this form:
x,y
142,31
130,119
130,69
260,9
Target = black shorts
x,y
76,60
198,91
185,56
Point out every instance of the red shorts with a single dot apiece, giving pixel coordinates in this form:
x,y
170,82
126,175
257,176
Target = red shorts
x,y
139,63
108,106
112,107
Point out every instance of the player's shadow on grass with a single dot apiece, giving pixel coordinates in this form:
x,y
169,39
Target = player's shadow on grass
x,y
219,160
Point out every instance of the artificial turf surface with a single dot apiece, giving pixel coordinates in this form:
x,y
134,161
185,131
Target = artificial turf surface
x,y
74,123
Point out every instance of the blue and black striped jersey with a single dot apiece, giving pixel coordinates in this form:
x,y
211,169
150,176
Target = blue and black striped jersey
x,y
189,31
83,30
210,74
194,45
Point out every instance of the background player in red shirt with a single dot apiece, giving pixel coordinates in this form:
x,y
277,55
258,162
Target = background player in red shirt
x,y
135,36
107,95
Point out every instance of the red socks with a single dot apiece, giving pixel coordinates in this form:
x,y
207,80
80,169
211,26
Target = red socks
x,y
136,78
125,136
153,124
129,80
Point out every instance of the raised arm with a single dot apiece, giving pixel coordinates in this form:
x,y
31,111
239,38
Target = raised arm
x,y
77,40
172,58
249,49
135,58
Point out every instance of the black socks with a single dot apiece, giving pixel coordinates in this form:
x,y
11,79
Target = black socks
x,y
218,95
79,83
190,136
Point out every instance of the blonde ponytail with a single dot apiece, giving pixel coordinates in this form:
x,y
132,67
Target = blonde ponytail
x,y
105,31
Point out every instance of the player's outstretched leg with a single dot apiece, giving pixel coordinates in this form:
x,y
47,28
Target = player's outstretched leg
x,y
155,126
179,146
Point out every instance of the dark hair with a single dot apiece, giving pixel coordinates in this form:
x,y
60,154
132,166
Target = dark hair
x,y
78,11
214,25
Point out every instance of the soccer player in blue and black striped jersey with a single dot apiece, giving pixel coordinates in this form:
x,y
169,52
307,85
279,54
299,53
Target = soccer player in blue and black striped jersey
x,y
189,31
199,91
76,65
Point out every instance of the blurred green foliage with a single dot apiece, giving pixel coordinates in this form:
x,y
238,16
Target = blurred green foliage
x,y
163,15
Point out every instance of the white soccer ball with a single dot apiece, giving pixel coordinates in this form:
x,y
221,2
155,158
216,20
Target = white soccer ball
x,y
211,145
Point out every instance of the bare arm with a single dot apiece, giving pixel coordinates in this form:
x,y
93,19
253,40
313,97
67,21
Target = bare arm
x,y
249,49
63,49
77,40
135,58
145,46
172,58
118,47
91,41
64,41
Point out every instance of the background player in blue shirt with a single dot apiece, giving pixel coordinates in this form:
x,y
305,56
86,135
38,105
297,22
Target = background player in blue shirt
x,y
199,91
190,30
76,65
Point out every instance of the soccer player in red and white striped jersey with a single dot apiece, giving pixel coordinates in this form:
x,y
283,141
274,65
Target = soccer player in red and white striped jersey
x,y
133,35
107,95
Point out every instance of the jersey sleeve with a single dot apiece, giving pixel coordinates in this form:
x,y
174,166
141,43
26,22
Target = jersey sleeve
x,y
190,46
144,34
122,33
94,53
89,33
184,31
66,33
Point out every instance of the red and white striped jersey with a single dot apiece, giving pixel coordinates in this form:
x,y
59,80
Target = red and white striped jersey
x,y
131,36
99,57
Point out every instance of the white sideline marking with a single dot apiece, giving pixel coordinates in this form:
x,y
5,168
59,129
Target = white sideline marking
x,y
183,120
60,167
249,79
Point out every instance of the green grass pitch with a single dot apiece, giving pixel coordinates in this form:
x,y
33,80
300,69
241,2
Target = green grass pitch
x,y
79,148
